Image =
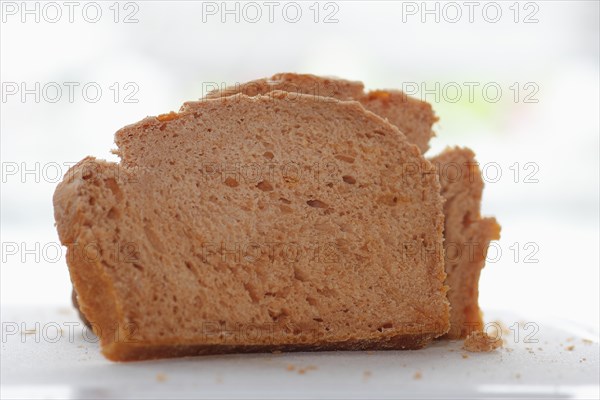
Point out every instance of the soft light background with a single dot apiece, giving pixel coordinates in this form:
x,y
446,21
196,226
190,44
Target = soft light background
x,y
171,52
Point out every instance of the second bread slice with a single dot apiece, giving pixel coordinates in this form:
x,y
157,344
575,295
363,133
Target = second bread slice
x,y
467,235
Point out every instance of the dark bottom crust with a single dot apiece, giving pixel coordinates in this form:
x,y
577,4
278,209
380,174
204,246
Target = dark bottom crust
x,y
137,352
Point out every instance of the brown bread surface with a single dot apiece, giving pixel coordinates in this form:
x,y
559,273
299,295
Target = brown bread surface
x,y
413,117
466,237
180,249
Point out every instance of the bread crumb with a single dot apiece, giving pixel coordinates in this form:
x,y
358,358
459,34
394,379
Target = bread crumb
x,y
379,95
367,374
161,377
587,341
570,348
417,376
481,342
495,329
301,371
304,370
518,376
570,339
465,356
167,117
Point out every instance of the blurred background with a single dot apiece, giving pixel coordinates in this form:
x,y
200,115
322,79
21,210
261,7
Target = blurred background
x,y
518,82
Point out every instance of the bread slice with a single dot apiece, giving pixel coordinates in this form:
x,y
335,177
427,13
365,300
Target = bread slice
x,y
412,116
466,237
256,224
415,118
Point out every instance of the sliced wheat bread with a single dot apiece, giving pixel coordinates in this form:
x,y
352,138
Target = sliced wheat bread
x,y
415,118
256,224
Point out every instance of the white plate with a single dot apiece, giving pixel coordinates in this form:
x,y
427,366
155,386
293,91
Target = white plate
x,y
46,364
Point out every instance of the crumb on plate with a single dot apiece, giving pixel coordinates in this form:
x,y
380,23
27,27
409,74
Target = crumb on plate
x,y
481,342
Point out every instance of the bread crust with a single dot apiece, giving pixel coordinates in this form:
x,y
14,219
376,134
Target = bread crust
x,y
87,274
134,352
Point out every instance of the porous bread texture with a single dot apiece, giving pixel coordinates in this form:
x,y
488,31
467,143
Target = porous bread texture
x,y
334,245
466,237
413,117
463,192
